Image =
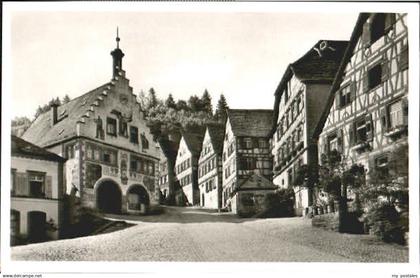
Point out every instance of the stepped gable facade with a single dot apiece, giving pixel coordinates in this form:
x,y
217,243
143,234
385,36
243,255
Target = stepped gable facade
x,y
111,157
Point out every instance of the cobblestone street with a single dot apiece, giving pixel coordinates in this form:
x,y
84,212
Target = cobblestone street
x,y
190,234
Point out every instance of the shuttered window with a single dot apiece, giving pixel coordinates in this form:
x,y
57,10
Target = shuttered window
x,y
361,130
13,181
340,140
346,96
384,118
22,188
398,114
369,127
48,187
404,58
384,69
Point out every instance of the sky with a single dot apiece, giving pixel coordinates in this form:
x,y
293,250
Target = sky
x,y
240,54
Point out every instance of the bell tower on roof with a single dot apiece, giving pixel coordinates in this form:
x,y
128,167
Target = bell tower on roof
x,y
117,56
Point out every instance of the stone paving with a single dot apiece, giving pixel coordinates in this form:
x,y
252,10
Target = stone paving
x,y
192,234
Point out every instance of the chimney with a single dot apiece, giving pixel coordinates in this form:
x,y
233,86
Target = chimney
x,y
54,113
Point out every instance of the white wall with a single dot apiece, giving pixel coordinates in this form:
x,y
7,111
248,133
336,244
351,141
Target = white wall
x,y
22,164
25,205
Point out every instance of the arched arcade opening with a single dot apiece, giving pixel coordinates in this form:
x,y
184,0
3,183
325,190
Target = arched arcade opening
x,y
137,199
108,197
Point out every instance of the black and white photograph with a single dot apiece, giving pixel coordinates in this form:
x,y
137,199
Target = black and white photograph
x,y
210,138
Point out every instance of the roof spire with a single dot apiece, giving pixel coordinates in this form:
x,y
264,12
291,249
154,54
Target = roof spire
x,y
117,56
118,39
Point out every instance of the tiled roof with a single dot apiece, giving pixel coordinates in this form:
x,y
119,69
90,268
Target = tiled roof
x,y
217,133
357,32
194,141
23,148
43,133
250,122
314,67
320,67
257,181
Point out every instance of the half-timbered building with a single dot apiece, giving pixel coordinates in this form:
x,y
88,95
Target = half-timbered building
x,y
300,99
111,158
247,161
210,167
186,168
367,114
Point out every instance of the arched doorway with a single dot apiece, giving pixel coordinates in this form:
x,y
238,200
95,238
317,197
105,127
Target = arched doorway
x,y
36,226
108,197
137,199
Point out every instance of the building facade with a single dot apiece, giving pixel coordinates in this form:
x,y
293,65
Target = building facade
x,y
367,115
300,99
163,181
111,157
37,190
210,168
246,154
186,168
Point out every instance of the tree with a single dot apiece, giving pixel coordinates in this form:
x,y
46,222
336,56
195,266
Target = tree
x,y
66,99
152,100
221,109
18,121
170,103
182,105
206,103
194,102
20,125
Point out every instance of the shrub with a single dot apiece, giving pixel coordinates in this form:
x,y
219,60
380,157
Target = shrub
x,y
280,204
386,222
